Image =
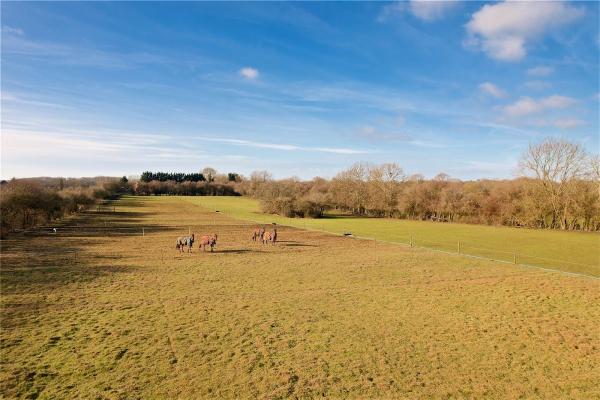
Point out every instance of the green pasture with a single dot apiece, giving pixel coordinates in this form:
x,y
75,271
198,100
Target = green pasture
x,y
577,252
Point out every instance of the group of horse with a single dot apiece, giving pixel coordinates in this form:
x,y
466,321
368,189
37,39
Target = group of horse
x,y
258,235
264,236
188,241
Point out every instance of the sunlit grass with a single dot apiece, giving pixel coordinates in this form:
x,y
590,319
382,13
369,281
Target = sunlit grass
x,y
314,316
567,251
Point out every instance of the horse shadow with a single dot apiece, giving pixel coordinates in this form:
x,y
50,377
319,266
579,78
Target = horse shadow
x,y
237,251
294,243
225,251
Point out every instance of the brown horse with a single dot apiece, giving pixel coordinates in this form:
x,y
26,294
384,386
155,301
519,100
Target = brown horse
x,y
208,240
258,234
270,236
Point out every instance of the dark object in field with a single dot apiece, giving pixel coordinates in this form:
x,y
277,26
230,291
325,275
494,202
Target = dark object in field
x,y
439,219
258,234
185,241
347,233
208,240
217,211
270,236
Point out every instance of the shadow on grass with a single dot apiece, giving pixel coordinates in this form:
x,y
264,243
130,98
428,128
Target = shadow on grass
x,y
235,251
34,264
226,251
102,224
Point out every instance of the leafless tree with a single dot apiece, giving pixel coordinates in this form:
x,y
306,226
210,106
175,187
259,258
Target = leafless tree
x,y
556,165
209,174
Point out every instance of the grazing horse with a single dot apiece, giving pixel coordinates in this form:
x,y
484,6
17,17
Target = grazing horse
x,y
270,236
208,240
185,241
258,234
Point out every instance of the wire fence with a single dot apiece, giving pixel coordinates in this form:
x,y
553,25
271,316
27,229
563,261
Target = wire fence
x,y
458,247
464,248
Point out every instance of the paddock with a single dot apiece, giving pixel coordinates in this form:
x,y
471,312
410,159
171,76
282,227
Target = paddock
x,y
102,310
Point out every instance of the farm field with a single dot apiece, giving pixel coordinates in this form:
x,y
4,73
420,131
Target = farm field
x,y
100,311
577,252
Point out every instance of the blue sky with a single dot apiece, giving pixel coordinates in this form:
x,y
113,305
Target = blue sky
x,y
299,89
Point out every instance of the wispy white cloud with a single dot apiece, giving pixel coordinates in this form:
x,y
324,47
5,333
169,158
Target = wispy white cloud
x,y
537,85
561,123
62,152
390,10
335,150
425,10
281,146
491,170
492,90
15,44
9,97
429,10
504,30
14,31
427,144
527,105
541,70
375,135
568,123
249,73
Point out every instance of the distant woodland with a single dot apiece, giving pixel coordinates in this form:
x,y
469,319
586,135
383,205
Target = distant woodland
x,y
558,189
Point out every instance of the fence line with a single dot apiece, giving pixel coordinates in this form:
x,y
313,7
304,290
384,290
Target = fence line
x,y
412,242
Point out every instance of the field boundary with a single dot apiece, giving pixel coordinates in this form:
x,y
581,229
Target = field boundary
x,y
143,231
412,245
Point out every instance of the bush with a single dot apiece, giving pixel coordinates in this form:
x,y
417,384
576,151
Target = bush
x,y
26,203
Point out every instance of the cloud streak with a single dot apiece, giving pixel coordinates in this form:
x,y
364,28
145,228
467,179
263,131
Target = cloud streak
x,y
283,147
540,71
425,10
526,105
431,10
492,90
375,135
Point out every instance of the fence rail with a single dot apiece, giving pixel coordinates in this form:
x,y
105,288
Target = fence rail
x,y
462,248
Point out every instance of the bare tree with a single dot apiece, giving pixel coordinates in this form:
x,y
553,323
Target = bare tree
x,y
595,171
555,165
209,174
258,182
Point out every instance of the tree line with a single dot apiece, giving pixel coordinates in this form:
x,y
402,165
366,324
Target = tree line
x,y
186,188
207,175
558,189
26,203
148,176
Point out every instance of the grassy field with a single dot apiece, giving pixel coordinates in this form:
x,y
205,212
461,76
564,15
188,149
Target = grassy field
x,y
577,252
99,311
